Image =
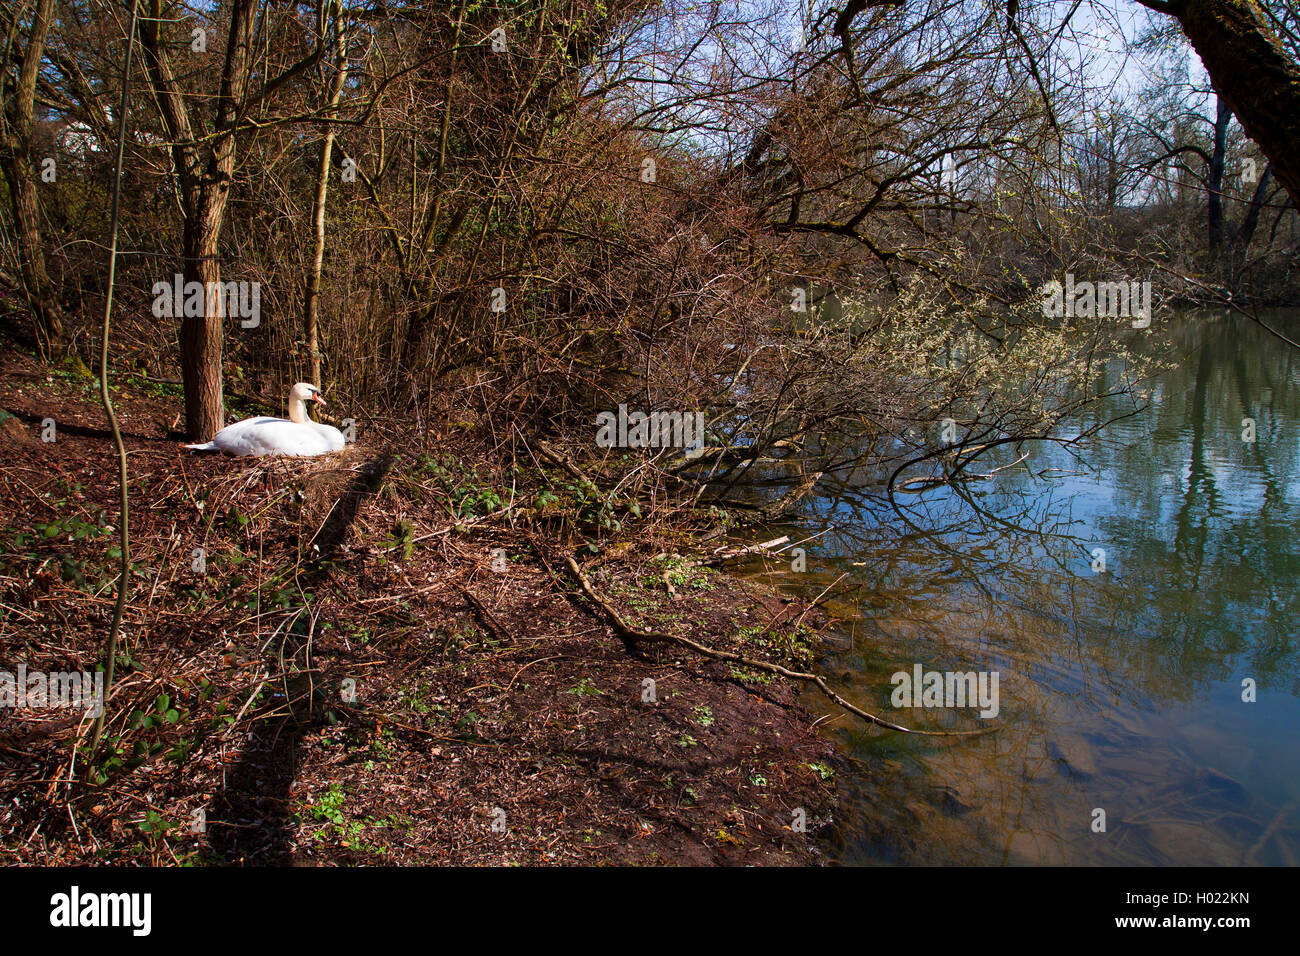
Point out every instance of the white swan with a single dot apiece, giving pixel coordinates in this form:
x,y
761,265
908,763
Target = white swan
x,y
274,436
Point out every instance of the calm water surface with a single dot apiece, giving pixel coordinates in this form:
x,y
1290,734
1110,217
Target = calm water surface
x,y
1119,690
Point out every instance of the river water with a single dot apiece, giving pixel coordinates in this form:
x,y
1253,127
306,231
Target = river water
x,y
1120,690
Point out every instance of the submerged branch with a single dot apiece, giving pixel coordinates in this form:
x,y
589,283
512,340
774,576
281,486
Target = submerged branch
x,y
659,637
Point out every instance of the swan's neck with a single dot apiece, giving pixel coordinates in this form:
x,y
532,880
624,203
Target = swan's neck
x,y
298,412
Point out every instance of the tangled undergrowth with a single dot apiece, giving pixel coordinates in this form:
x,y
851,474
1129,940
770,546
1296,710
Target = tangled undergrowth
x,y
376,658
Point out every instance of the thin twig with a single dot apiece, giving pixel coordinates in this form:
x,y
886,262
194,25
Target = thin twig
x,y
124,536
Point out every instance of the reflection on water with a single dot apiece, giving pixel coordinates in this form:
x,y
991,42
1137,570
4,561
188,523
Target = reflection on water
x,y
1120,690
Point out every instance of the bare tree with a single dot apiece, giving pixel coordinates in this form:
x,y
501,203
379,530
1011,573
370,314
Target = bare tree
x,y
204,161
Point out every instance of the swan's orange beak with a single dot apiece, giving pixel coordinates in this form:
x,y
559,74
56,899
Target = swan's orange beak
x,y
317,399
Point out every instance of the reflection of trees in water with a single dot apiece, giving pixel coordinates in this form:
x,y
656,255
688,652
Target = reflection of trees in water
x,y
1202,589
1196,523
1226,564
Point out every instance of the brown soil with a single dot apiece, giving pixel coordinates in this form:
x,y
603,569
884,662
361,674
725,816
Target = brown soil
x,y
497,719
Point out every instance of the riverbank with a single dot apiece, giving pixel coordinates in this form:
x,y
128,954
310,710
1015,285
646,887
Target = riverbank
x,y
375,658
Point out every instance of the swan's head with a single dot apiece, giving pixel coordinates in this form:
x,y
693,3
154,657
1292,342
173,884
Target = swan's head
x,y
305,392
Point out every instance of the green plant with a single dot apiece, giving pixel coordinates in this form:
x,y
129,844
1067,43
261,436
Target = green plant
x,y
328,806
585,688
402,538
468,724
74,528
793,646
379,747
468,496
748,676
155,825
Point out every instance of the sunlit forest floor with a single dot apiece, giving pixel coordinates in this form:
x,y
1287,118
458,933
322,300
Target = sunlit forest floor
x,y
329,661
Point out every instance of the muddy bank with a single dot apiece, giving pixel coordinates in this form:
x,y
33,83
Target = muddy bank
x,y
377,660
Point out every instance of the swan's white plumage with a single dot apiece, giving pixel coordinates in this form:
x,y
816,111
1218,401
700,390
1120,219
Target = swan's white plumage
x,y
264,435
274,436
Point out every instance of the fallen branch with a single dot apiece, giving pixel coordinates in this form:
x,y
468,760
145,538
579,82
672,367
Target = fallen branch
x,y
916,484
717,453
556,457
777,510
659,637
720,555
726,554
486,616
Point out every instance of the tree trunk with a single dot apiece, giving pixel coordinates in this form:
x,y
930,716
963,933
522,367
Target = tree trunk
x,y
1251,222
38,287
20,177
1217,159
201,335
311,298
1252,72
205,187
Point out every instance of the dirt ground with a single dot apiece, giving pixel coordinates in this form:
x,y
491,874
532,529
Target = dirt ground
x,y
373,660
